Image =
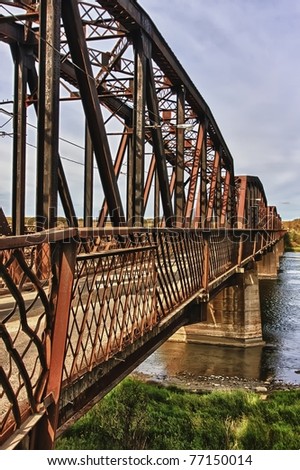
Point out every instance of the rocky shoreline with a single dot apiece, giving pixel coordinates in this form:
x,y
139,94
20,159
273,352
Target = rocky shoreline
x,y
199,384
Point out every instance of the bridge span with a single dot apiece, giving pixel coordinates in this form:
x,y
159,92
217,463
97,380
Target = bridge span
x,y
85,299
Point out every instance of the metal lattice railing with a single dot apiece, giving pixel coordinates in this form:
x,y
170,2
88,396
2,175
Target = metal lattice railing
x,y
24,328
121,284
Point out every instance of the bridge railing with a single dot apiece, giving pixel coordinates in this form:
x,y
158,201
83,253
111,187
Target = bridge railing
x,y
26,318
72,299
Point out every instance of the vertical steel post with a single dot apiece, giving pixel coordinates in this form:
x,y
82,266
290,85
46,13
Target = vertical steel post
x,y
203,182
130,183
88,180
63,188
226,203
138,153
156,200
240,249
194,176
63,266
212,200
219,191
48,113
179,187
241,209
232,209
158,145
19,141
206,254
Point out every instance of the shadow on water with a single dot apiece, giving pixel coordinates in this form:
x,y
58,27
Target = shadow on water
x,y
278,359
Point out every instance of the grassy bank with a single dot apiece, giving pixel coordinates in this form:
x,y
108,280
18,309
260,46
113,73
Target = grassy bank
x,y
137,415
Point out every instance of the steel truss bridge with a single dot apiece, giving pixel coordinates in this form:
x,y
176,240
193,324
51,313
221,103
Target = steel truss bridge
x,y
86,298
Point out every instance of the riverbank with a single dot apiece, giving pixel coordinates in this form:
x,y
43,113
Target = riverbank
x,y
138,414
198,384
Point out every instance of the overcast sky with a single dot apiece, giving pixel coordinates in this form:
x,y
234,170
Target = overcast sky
x,y
244,58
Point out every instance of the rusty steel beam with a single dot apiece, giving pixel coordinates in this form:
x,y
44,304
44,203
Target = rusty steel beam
x,y
156,200
255,181
88,180
251,198
64,262
179,199
158,147
242,183
213,193
117,169
226,199
130,180
136,188
5,228
232,196
201,208
65,196
63,188
149,180
194,176
48,114
86,82
19,140
14,33
219,194
172,189
202,199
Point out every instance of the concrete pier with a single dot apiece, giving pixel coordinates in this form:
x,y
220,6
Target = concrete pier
x,y
268,266
234,315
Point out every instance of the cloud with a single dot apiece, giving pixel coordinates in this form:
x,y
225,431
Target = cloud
x,y
243,57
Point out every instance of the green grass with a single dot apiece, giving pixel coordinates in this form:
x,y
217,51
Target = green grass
x,y
136,415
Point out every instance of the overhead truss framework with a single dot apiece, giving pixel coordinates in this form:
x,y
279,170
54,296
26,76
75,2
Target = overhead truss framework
x,y
151,142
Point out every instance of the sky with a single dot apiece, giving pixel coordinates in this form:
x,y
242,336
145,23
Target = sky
x,y
243,56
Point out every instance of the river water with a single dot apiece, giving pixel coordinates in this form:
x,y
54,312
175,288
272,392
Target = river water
x,y
279,359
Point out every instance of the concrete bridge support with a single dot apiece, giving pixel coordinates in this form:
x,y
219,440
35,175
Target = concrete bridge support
x,y
268,266
233,315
